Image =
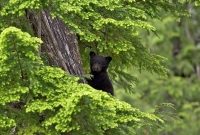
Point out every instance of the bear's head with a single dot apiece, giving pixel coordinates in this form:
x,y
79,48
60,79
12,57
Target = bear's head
x,y
99,63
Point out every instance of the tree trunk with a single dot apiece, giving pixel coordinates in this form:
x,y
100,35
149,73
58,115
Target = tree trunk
x,y
176,43
59,43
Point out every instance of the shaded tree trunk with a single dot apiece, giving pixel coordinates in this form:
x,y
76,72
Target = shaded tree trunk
x,y
176,43
60,45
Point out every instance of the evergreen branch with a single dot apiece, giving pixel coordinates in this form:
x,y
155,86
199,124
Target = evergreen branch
x,y
19,61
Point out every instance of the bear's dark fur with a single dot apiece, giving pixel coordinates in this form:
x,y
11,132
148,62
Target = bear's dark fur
x,y
100,79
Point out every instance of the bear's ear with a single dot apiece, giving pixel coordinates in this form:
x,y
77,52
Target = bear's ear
x,y
92,54
108,59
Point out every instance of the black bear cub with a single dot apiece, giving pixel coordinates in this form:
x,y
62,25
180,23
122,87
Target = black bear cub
x,y
100,79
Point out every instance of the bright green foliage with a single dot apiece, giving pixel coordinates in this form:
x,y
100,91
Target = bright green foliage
x,y
6,123
13,56
48,94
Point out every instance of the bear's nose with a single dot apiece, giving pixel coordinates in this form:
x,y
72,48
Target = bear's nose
x,y
95,68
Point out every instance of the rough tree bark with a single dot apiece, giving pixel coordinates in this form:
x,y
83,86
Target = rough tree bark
x,y
59,43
